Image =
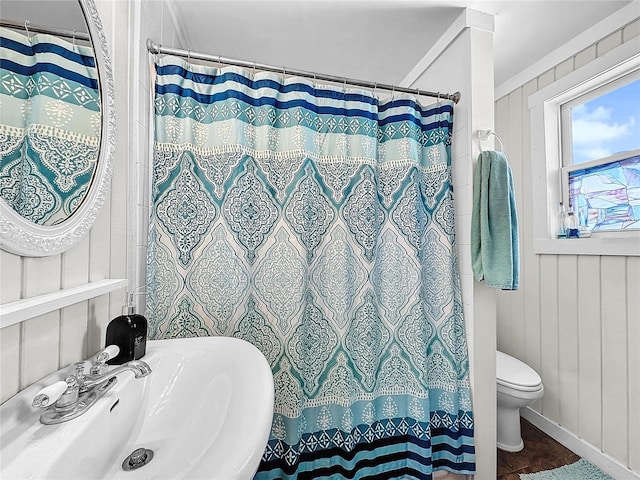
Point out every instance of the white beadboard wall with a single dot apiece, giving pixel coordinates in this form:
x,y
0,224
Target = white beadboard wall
x,y
39,346
576,318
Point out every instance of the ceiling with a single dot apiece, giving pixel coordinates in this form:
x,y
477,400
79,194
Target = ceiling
x,y
377,40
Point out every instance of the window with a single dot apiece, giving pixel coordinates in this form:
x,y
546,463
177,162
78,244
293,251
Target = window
x,y
585,147
601,156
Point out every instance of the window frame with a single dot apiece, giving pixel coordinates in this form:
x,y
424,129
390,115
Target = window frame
x,y
549,172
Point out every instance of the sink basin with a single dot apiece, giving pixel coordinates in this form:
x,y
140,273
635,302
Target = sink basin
x,y
205,411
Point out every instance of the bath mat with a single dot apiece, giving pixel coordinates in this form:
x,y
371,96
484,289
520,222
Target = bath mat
x,y
581,470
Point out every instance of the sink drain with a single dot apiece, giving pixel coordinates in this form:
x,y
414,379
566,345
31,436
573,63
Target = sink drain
x,y
138,458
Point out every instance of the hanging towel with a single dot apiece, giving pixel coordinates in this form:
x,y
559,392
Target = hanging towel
x,y
495,252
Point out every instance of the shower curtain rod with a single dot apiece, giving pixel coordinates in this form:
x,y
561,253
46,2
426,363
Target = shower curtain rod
x,y
29,27
161,49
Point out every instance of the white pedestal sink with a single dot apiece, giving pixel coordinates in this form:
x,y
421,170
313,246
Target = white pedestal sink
x,y
205,411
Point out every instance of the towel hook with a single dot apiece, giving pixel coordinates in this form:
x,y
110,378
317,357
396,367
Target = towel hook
x,y
485,134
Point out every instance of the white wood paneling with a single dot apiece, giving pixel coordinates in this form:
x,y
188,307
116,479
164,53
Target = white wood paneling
x,y
615,406
41,275
581,312
504,319
9,361
633,343
589,345
529,263
73,334
513,151
10,275
549,336
75,264
40,344
569,387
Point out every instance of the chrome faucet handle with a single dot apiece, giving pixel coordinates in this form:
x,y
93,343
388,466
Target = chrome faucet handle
x,y
99,364
62,393
49,394
106,354
79,371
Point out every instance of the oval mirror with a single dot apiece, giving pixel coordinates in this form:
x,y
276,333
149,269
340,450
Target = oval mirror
x,y
56,124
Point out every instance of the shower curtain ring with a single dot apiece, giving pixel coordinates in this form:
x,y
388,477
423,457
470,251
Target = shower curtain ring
x,y
254,67
344,85
375,87
74,37
26,27
393,91
189,57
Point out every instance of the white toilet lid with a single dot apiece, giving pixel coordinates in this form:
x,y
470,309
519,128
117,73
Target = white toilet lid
x,y
513,373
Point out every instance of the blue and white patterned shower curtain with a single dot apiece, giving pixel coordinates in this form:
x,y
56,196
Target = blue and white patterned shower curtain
x,y
50,124
317,224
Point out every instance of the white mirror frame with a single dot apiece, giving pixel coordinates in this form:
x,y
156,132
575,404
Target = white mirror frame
x,y
23,237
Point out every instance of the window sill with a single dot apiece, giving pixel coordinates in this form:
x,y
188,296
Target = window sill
x,y
628,246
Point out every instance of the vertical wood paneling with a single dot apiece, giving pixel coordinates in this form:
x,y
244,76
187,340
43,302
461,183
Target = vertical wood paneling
x,y
503,314
633,349
98,319
549,335
589,345
75,264
568,341
530,263
73,334
99,247
581,321
40,337
41,275
9,361
513,150
615,427
10,277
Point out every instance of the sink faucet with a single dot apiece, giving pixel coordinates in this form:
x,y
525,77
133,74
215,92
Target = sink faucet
x,y
68,399
138,367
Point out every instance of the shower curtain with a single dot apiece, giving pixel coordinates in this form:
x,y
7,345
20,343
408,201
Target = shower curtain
x,y
317,223
50,124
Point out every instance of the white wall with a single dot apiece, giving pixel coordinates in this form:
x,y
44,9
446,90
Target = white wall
x,y
151,19
576,318
34,348
466,65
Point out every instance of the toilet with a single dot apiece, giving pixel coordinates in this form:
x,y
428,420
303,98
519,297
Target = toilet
x,y
518,385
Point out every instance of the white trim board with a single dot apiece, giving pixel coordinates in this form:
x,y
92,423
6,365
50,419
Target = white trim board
x,y
468,18
612,23
579,446
21,310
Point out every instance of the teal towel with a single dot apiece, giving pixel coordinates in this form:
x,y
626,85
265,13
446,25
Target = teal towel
x,y
495,252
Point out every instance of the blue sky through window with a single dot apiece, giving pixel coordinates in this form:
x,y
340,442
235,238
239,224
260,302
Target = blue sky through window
x,y
607,125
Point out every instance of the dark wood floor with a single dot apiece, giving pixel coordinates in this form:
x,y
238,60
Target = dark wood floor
x,y
541,452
